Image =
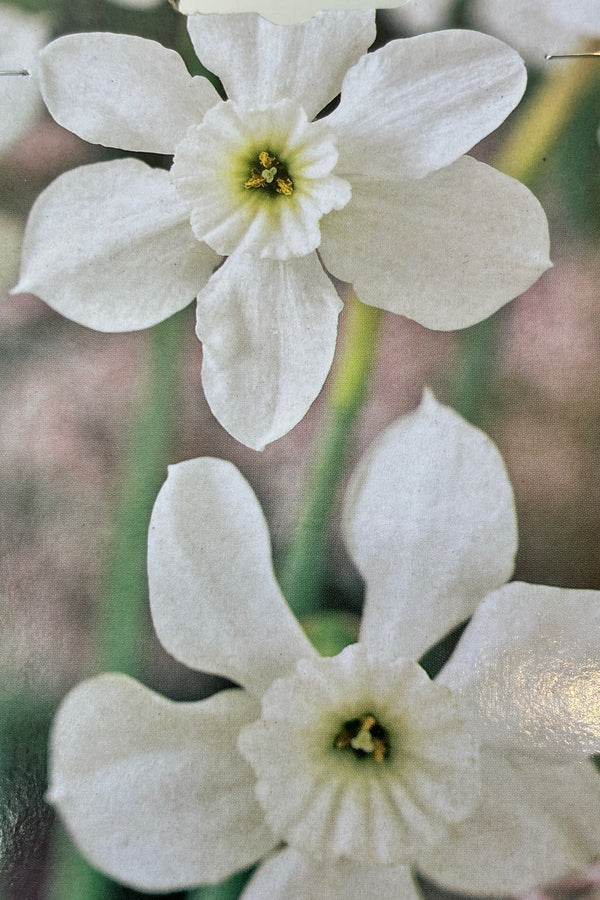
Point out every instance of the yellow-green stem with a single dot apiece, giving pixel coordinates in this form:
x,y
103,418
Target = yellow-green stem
x,y
301,574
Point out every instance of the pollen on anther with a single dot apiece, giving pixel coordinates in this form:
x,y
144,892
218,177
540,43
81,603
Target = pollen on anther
x,y
270,175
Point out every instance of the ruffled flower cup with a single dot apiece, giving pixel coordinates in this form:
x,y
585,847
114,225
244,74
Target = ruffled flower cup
x,y
377,193
343,774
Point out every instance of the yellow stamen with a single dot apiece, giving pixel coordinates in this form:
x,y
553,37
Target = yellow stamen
x,y
285,186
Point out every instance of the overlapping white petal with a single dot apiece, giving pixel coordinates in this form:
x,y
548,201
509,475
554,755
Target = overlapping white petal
x,y
430,521
21,37
537,821
447,250
289,875
424,102
140,782
307,62
215,603
109,246
280,11
268,331
529,667
122,91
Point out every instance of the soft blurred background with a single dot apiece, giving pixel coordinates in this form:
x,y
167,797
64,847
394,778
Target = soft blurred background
x,y
71,398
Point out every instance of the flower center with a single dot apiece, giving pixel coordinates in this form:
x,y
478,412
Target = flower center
x,y
271,175
364,736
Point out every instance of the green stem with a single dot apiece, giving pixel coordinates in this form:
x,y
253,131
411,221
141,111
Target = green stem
x,y
122,610
302,572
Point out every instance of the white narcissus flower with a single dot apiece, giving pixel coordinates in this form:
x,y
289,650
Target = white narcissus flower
x,y
359,764
378,187
21,38
283,12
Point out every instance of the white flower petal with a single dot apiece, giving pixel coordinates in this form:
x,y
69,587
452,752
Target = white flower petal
x,y
584,15
109,246
215,603
326,799
529,670
122,91
447,250
155,793
21,37
430,521
416,105
289,875
305,62
284,13
537,821
268,330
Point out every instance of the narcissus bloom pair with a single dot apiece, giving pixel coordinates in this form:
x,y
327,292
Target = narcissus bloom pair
x,y
342,774
377,193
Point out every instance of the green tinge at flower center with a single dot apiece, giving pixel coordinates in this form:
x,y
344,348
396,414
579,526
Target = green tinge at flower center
x,y
270,175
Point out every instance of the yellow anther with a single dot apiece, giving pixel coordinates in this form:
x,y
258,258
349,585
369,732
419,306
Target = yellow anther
x,y
265,159
255,181
285,186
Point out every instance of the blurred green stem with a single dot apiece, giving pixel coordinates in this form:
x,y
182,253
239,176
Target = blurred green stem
x,y
123,609
301,574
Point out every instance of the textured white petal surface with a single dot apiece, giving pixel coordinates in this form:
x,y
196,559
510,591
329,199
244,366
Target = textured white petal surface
x,y
122,91
154,792
305,62
537,822
529,669
447,250
334,804
215,603
416,105
21,37
213,165
268,330
109,246
581,14
289,875
430,521
280,11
